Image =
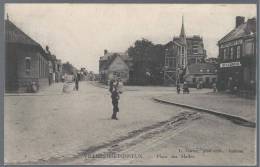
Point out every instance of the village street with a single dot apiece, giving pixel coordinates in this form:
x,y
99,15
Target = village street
x,y
51,127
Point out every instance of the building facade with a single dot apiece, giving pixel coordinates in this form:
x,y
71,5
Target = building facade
x,y
26,62
114,65
181,52
237,57
202,73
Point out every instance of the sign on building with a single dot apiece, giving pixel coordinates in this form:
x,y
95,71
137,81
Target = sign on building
x,y
231,64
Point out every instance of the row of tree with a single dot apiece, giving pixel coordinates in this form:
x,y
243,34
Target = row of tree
x,y
148,63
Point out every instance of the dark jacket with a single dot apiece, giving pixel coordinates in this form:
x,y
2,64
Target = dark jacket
x,y
115,95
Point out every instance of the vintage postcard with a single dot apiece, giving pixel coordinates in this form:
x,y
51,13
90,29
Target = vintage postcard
x,y
130,84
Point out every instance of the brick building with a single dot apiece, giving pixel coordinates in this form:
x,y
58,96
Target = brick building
x,y
237,57
26,61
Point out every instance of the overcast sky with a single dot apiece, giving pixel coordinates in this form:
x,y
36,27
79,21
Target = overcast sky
x,y
79,33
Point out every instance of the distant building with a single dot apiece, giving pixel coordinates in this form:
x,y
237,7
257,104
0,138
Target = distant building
x,y
212,60
237,57
68,69
55,66
114,65
26,62
201,73
179,53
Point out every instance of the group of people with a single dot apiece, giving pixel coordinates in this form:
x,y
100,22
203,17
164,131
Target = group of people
x,y
115,89
185,88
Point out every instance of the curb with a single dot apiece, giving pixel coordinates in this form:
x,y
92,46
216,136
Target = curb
x,y
235,119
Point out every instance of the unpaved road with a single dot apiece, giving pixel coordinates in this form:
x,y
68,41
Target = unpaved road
x,y
75,128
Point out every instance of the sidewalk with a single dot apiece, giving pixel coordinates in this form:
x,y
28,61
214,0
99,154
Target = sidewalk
x,y
53,89
229,106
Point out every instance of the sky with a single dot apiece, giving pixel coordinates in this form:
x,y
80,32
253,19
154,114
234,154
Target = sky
x,y
79,33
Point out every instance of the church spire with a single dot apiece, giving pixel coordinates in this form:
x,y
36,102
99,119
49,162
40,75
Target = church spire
x,y
182,34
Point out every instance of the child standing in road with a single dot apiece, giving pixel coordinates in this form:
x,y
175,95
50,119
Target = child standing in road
x,y
115,99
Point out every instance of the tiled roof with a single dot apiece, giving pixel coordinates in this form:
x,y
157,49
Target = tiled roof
x,y
16,35
244,29
203,68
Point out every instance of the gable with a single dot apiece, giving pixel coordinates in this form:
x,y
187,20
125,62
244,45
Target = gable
x,y
16,35
118,64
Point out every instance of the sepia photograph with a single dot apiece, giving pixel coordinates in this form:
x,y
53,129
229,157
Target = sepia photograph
x,y
130,84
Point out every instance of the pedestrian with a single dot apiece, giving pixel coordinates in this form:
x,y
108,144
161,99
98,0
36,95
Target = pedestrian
x,y
214,86
49,78
185,88
178,88
76,82
115,98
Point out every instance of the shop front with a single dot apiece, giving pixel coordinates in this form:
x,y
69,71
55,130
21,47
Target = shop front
x,y
236,76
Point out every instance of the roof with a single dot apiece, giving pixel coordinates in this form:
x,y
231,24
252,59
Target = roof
x,y
244,29
108,59
202,68
16,35
124,55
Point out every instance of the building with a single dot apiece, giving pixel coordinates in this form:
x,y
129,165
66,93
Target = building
x,y
212,60
58,70
237,57
114,65
204,73
193,48
179,53
55,67
68,69
26,62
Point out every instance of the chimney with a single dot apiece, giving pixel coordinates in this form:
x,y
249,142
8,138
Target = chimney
x,y
251,24
105,52
239,20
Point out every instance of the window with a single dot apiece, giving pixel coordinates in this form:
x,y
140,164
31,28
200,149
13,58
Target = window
x,y
182,51
166,62
194,80
207,80
27,64
227,53
249,48
231,53
116,74
238,52
224,53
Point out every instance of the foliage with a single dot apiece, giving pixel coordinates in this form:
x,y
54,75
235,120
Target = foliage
x,y
148,61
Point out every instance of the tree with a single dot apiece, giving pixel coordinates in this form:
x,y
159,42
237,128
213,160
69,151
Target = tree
x,y
147,62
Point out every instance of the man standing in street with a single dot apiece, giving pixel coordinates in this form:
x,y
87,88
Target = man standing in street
x,y
77,81
115,99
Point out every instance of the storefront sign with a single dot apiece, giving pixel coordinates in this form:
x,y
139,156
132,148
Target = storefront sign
x,y
232,43
232,64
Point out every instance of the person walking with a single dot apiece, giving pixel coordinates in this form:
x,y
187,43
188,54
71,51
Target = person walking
x,y
178,88
185,88
76,82
214,86
115,98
